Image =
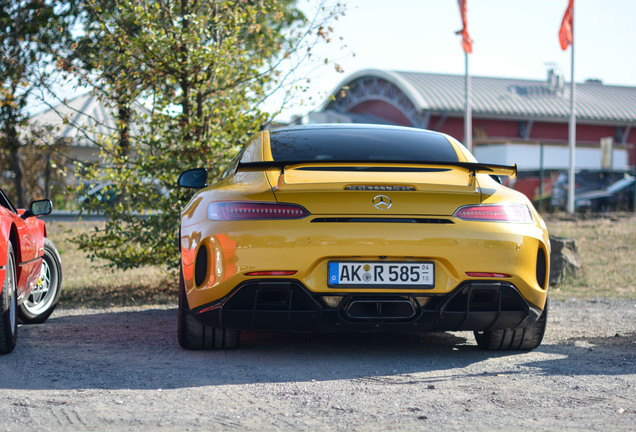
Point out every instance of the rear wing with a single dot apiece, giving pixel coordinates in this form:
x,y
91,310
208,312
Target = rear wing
x,y
381,165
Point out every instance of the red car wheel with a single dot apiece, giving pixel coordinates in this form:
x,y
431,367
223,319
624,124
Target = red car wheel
x,y
42,301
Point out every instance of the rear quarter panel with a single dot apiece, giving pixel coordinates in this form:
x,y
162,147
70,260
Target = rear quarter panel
x,y
5,230
243,186
29,248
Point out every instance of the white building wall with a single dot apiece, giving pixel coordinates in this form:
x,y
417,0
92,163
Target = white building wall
x,y
528,156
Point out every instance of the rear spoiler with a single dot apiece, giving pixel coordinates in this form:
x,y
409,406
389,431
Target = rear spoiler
x,y
473,167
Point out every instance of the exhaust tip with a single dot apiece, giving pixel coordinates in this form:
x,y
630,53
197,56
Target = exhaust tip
x,y
373,309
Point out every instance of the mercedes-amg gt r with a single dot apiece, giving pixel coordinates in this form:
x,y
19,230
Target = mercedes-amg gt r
x,y
361,228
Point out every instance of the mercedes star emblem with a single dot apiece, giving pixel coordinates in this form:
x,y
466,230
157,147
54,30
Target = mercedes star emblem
x,y
382,202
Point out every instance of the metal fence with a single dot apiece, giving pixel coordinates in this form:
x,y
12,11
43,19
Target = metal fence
x,y
595,191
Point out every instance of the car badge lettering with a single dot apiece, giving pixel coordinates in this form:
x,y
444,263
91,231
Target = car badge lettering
x,y
382,202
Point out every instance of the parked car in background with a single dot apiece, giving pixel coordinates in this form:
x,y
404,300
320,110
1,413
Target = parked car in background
x,y
619,196
361,228
102,193
30,269
108,193
584,181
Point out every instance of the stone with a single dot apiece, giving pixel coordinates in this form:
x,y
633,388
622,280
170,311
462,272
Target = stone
x,y
564,259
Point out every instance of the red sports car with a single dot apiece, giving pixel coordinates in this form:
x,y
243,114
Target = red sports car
x,y
30,269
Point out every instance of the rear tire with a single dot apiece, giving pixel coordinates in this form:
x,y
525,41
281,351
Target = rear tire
x,y
194,335
9,306
42,301
526,338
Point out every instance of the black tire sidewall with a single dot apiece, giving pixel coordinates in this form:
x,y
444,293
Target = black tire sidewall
x,y
9,334
502,340
182,310
187,324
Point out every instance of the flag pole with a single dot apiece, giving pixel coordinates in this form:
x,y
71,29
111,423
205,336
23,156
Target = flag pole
x,y
468,120
572,128
467,46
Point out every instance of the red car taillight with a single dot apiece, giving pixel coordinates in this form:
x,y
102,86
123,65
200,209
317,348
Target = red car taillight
x,y
239,210
515,213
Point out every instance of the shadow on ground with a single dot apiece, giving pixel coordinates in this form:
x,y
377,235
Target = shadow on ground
x,y
139,350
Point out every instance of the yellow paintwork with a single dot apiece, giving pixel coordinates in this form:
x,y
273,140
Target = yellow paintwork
x,y
238,247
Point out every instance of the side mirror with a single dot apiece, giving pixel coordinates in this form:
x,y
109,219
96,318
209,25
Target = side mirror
x,y
195,178
38,208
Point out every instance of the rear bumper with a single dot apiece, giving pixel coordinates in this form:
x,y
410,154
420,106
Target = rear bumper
x,y
214,264
286,304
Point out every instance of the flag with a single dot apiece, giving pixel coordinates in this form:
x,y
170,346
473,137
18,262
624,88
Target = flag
x,y
467,42
565,32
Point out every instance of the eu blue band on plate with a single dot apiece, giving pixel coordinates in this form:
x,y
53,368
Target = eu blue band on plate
x,y
334,271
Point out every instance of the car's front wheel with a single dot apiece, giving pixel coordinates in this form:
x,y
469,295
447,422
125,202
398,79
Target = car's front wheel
x,y
42,301
9,306
194,335
525,338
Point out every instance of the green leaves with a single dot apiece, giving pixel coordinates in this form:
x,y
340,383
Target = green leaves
x,y
200,68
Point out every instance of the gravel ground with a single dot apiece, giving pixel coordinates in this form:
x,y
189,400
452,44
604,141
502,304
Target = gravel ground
x,y
123,369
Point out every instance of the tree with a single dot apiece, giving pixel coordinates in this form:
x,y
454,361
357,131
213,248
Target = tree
x,y
45,157
202,66
32,34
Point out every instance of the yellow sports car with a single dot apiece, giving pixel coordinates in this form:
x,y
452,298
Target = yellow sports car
x,y
361,228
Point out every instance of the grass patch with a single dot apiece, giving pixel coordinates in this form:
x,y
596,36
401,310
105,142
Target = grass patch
x,y
92,284
606,247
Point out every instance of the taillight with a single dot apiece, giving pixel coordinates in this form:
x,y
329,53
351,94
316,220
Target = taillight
x,y
516,213
240,210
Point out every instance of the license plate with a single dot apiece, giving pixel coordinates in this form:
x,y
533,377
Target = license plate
x,y
381,274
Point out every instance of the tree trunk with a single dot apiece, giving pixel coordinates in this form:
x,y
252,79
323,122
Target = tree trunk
x,y
123,116
13,144
47,176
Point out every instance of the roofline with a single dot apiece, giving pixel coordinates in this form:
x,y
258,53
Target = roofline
x,y
545,119
407,88
619,117
66,102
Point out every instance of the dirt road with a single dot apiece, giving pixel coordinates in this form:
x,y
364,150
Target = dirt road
x,y
122,369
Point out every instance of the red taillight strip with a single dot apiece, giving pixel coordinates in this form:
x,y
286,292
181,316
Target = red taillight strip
x,y
272,273
516,213
246,210
487,274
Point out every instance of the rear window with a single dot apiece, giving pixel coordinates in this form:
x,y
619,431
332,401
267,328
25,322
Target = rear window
x,y
360,144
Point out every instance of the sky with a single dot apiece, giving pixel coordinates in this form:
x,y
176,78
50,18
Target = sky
x,y
511,39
